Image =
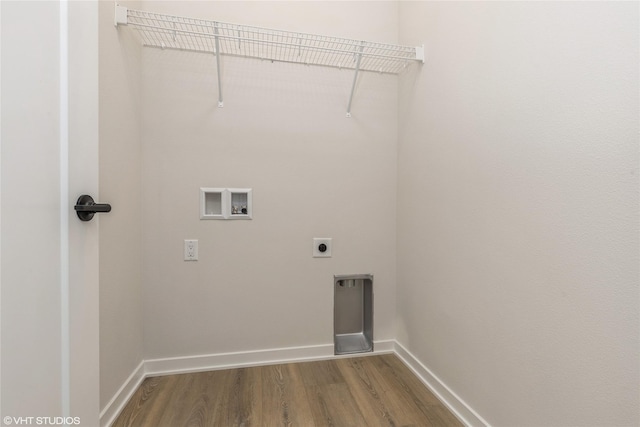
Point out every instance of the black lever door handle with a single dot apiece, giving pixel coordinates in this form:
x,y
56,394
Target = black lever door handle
x,y
85,207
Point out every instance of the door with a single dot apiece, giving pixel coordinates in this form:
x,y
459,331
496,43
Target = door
x,y
48,257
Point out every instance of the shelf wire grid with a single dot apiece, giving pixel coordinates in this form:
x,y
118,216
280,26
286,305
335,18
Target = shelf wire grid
x,y
175,32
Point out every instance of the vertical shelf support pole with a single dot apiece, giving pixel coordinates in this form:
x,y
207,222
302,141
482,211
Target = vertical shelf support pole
x,y
355,78
215,30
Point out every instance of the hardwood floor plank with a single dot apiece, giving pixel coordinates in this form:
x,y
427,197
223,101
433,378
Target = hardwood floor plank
x,y
366,391
333,405
179,404
190,405
398,375
320,373
147,403
407,386
404,412
242,398
133,411
216,396
198,414
394,390
369,393
284,399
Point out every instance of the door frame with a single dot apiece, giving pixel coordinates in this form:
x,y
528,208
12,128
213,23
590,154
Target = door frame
x,y
83,344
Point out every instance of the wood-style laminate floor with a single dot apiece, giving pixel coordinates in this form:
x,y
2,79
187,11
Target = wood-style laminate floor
x,y
361,391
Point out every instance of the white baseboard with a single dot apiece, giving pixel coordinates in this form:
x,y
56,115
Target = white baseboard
x,y
382,347
241,359
211,362
122,396
455,404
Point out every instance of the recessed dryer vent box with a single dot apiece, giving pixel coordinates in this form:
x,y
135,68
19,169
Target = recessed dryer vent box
x,y
353,313
225,203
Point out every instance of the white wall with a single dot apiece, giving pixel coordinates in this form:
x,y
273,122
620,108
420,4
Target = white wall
x,y
518,208
314,173
121,297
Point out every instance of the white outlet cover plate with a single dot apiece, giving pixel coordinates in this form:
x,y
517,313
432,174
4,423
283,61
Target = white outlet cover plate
x,y
190,250
317,241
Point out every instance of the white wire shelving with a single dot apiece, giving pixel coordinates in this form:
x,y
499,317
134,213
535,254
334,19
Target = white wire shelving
x,y
220,39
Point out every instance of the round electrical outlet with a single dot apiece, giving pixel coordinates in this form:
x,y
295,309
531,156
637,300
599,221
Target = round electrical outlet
x,y
322,247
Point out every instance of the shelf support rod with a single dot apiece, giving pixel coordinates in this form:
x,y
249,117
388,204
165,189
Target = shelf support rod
x,y
217,40
355,77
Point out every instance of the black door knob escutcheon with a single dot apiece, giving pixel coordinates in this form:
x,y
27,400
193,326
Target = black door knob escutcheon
x,y
322,247
85,207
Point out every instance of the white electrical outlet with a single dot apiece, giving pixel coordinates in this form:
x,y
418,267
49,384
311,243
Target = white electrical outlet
x,y
190,250
322,247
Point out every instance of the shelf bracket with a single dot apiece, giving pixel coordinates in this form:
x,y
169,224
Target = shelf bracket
x,y
420,54
355,77
217,41
120,16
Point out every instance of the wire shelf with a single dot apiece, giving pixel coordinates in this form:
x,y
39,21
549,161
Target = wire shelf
x,y
219,38
176,32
